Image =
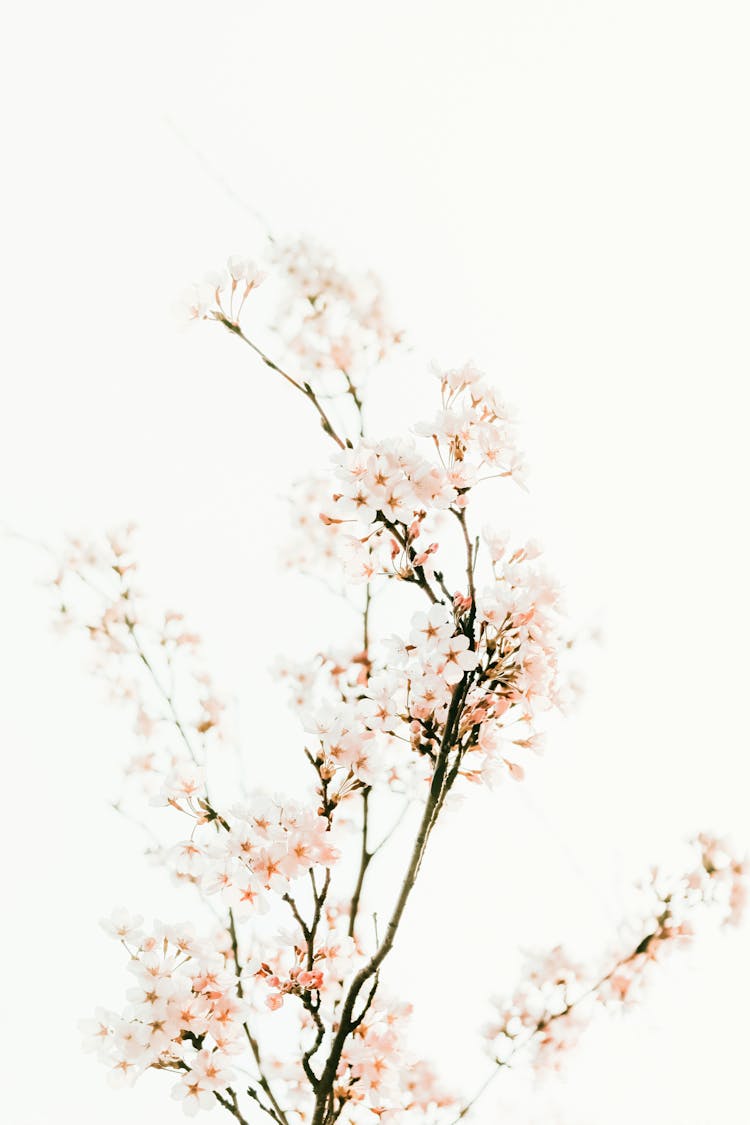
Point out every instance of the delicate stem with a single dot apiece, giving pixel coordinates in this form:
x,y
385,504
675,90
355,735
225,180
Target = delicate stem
x,y
364,863
303,388
419,575
319,900
434,801
166,695
278,1112
300,920
232,1105
366,619
352,390
470,554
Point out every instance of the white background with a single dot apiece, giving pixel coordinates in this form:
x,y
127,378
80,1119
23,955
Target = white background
x,y
556,190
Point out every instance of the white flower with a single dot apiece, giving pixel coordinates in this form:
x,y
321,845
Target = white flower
x,y
430,630
123,926
458,659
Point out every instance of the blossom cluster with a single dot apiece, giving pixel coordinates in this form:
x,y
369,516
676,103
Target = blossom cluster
x,y
388,495
501,653
331,325
184,1013
250,852
378,1072
558,996
151,660
328,320
193,1009
223,293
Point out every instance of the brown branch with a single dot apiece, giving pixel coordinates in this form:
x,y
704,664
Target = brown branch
x,y
300,920
419,575
364,862
434,800
360,406
232,1105
366,620
319,900
303,388
266,1109
320,1033
470,553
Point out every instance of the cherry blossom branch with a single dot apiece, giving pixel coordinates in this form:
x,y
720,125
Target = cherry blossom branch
x,y
365,857
352,390
711,884
543,1024
297,916
419,575
166,695
277,1112
346,1022
454,692
231,1105
366,619
303,388
471,554
251,1093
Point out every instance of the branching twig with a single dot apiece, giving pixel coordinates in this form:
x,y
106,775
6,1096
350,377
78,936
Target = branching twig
x,y
276,1111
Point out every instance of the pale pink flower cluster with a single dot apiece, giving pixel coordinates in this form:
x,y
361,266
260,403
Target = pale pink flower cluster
x,y
382,493
388,498
312,546
329,321
475,429
251,852
557,998
294,967
365,708
379,1073
151,659
346,703
184,1013
544,1013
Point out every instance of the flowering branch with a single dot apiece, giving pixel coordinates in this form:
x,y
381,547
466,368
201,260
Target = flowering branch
x,y
547,1012
457,697
303,388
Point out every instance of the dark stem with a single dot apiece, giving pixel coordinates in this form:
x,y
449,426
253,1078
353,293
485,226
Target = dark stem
x,y
364,863
232,1105
347,1021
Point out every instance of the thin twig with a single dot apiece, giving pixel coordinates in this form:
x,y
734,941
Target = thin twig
x,y
277,1111
303,388
364,862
